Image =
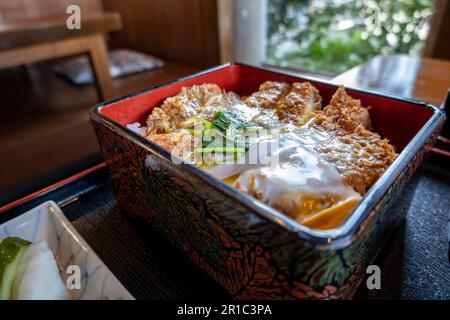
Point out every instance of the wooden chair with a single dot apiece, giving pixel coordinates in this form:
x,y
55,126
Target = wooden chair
x,y
40,39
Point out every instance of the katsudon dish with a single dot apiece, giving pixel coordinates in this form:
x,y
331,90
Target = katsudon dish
x,y
280,145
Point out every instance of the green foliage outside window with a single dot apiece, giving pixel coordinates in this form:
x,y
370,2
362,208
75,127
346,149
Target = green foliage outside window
x,y
331,36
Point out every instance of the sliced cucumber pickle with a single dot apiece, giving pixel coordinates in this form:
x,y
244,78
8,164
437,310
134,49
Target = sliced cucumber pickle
x,y
11,251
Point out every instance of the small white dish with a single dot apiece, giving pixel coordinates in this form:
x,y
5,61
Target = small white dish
x,y
47,222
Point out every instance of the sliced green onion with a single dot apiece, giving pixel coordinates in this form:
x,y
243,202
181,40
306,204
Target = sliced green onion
x,y
220,149
195,119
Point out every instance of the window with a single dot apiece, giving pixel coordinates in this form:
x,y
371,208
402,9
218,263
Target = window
x,y
332,36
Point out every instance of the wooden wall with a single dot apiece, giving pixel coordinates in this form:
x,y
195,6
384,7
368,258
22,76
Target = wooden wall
x,y
184,31
15,10
438,44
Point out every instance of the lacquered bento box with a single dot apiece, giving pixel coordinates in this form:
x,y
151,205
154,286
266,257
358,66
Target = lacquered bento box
x,y
252,250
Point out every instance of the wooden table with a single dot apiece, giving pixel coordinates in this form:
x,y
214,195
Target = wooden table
x,y
401,75
413,263
426,80
40,39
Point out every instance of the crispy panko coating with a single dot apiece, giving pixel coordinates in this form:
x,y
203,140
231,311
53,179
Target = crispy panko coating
x,y
302,102
223,101
268,95
180,107
179,141
359,155
347,112
292,104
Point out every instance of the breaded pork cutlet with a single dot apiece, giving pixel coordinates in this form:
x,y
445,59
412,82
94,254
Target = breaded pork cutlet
x,y
302,102
347,112
200,100
177,141
359,155
180,107
268,95
293,104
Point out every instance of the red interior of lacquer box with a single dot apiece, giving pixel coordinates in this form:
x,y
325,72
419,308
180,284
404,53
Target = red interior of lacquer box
x,y
397,120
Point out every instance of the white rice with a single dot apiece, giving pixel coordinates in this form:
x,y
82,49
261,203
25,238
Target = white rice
x,y
138,128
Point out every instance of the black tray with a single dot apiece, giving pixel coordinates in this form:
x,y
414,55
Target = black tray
x,y
414,263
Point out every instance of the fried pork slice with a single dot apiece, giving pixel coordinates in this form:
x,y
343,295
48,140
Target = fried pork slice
x,y
360,157
347,112
181,107
223,101
300,104
268,95
180,142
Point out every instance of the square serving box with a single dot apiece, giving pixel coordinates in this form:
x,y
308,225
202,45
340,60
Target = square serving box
x,y
252,250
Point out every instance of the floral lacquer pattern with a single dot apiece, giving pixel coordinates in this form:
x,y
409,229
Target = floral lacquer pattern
x,y
252,257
